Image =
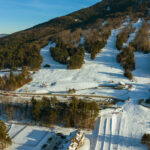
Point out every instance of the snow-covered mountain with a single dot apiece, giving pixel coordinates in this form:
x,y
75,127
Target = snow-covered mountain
x,y
87,18
101,79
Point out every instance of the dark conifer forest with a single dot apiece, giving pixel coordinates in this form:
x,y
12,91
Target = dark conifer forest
x,y
13,81
23,48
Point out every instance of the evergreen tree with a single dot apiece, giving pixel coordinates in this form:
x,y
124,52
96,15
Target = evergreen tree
x,y
36,110
4,137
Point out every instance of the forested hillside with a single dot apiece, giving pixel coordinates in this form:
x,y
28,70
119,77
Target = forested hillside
x,y
23,48
3,35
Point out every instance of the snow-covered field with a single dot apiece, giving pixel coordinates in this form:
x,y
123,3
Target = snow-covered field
x,y
28,137
120,130
33,137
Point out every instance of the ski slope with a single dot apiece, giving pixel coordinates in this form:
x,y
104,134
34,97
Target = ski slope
x,y
103,69
142,72
121,130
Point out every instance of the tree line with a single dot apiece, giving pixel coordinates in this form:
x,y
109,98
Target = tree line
x,y
140,43
78,113
5,140
97,39
126,58
123,36
147,101
47,112
68,54
14,55
95,42
23,48
14,81
146,140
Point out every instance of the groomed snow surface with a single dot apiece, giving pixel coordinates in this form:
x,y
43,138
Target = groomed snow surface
x,y
114,130
102,70
121,130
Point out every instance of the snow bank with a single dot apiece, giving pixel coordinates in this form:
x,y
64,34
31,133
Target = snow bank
x,y
86,145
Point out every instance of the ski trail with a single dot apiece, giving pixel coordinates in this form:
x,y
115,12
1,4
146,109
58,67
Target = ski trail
x,y
107,135
103,134
113,128
116,135
121,142
95,134
100,134
101,127
110,136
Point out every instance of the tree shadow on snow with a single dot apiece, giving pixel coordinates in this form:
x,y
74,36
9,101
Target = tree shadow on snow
x,y
113,75
33,139
116,140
